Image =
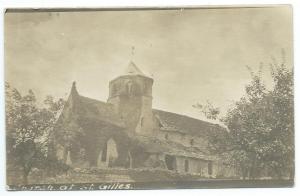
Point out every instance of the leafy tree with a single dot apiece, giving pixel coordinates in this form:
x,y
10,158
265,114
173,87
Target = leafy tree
x,y
28,127
208,110
260,141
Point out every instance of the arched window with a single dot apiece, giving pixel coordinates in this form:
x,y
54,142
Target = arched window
x,y
129,86
69,161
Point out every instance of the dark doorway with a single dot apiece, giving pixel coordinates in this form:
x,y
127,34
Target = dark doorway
x,y
170,162
104,153
210,168
186,166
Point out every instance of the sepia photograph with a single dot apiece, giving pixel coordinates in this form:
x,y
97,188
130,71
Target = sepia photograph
x,y
149,98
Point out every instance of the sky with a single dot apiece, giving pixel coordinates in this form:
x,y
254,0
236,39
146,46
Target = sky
x,y
193,55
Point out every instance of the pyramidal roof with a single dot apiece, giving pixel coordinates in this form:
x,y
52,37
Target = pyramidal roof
x,y
132,69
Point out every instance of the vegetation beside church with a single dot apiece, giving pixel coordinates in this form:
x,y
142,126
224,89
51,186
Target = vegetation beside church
x,y
260,139
28,130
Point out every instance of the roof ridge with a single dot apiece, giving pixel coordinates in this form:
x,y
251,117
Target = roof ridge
x,y
183,115
92,99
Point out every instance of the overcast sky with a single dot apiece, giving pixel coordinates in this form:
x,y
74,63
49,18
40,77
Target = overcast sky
x,y
192,55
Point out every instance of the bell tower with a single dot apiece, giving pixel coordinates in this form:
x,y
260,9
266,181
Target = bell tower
x,y
131,95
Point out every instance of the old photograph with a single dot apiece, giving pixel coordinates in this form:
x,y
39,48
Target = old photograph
x,y
149,98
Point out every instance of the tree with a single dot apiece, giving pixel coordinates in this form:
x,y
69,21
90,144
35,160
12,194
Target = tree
x,y
208,110
28,127
260,141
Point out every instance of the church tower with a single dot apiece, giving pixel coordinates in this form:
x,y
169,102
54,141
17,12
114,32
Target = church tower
x,y
131,95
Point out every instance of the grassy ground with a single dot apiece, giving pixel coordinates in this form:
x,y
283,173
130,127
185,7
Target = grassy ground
x,y
138,179
97,175
142,179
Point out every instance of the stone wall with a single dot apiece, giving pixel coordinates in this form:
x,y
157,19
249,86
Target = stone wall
x,y
193,166
184,139
132,98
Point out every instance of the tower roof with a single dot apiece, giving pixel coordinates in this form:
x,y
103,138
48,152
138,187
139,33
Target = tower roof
x,y
132,69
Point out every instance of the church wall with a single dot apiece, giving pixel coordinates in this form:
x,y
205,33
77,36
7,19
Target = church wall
x,y
181,165
145,124
139,157
171,136
130,111
184,139
195,166
85,147
203,169
155,160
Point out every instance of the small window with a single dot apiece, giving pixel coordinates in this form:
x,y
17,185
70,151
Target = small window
x,y
145,88
166,136
142,121
192,142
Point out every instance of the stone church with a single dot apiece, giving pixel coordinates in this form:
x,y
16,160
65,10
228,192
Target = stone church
x,y
127,132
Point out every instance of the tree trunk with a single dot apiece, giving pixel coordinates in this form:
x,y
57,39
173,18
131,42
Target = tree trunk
x,y
244,173
26,172
292,174
252,171
279,174
25,178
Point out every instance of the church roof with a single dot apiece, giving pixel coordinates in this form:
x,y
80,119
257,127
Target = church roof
x,y
87,108
173,122
99,110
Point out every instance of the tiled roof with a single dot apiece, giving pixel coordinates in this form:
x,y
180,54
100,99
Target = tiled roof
x,y
92,108
185,124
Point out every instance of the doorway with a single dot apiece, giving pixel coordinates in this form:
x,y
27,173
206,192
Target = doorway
x,y
170,162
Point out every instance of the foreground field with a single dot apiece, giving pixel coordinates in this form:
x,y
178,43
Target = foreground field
x,y
97,175
81,179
